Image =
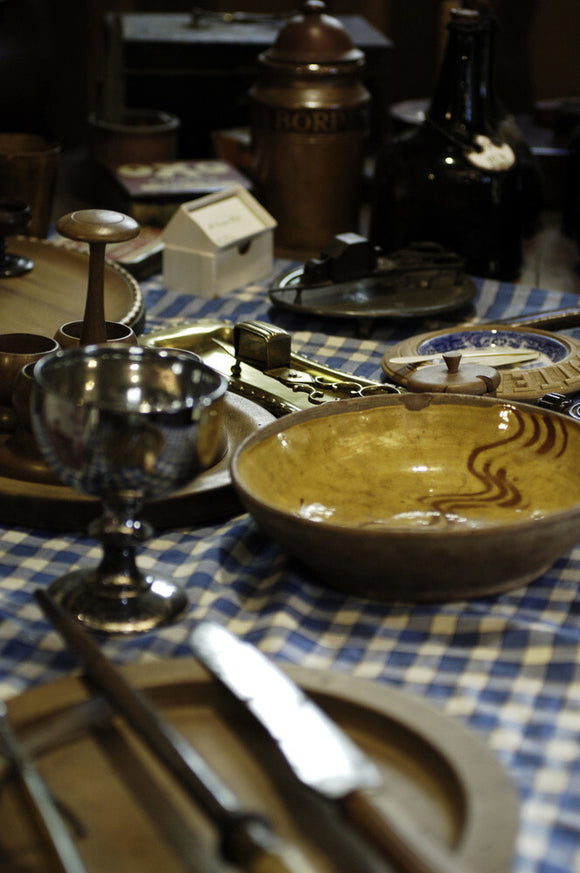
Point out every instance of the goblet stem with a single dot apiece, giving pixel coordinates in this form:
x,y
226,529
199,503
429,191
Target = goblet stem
x,y
118,567
116,597
120,532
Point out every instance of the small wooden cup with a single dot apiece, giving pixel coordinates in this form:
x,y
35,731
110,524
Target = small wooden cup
x,y
68,335
16,350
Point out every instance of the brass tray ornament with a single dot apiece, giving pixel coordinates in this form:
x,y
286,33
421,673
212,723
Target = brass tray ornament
x,y
258,360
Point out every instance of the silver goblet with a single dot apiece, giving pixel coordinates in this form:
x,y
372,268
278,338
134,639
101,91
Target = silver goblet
x,y
124,424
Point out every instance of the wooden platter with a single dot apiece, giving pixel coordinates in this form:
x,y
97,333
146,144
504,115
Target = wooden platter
x,y
128,815
54,291
41,503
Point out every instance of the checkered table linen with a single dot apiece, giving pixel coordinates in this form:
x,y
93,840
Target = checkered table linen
x,y
507,667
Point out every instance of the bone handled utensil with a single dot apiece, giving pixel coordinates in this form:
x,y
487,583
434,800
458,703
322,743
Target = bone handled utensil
x,y
39,799
248,840
493,357
97,227
319,753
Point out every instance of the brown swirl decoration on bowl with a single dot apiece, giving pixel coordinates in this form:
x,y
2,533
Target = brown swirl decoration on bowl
x,y
537,432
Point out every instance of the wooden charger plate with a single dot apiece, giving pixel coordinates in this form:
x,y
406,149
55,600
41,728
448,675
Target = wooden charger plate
x,y
128,815
556,368
54,291
211,495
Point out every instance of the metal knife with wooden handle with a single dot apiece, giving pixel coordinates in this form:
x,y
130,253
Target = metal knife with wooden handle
x,y
319,753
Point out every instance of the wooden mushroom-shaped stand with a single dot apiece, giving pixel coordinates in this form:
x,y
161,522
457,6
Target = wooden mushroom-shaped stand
x,y
450,377
97,227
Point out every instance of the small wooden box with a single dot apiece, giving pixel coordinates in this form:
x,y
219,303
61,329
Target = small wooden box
x,y
217,243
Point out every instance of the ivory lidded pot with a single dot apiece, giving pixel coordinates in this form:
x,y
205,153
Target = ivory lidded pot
x,y
309,116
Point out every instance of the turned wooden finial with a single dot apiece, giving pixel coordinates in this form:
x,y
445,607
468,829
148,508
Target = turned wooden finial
x,y
452,360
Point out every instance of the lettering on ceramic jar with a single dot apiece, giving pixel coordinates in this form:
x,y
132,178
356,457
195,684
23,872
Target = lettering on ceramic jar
x,y
314,121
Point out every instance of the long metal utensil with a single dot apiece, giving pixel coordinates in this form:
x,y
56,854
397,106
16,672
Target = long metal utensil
x,y
248,839
492,357
319,753
39,800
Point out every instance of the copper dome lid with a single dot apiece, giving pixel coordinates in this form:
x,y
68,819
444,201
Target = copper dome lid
x,y
312,37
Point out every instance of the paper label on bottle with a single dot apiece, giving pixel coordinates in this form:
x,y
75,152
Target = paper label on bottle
x,y
491,156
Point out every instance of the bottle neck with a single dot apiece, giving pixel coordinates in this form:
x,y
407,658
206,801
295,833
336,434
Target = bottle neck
x,y
459,102
494,108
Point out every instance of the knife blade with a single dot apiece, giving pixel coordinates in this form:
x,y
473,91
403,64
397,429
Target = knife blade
x,y
318,751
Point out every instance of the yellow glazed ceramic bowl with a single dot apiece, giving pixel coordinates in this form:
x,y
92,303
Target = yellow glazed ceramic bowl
x,y
417,496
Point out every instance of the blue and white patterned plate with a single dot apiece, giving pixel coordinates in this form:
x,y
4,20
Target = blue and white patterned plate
x,y
549,348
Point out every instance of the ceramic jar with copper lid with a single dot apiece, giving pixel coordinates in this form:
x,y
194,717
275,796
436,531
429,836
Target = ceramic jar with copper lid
x,y
309,119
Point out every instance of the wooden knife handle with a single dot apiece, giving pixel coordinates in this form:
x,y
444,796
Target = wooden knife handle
x,y
281,859
397,837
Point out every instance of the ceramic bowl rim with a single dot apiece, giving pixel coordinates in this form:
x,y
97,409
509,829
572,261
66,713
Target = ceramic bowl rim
x,y
386,530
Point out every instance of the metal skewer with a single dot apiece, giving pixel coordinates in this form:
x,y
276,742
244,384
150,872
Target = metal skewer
x,y
39,799
248,839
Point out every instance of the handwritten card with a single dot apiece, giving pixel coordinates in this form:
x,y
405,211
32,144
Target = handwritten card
x,y
226,221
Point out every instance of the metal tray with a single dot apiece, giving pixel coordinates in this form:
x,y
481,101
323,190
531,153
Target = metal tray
x,y
371,298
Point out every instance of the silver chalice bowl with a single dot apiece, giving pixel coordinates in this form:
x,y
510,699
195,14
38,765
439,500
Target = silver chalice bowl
x,y
124,424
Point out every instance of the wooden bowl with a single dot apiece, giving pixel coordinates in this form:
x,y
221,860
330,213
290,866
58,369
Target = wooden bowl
x,y
417,496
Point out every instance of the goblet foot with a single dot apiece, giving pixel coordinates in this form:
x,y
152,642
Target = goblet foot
x,y
117,608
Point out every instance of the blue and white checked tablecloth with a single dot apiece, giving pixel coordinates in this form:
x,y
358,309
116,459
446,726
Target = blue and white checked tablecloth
x,y
508,667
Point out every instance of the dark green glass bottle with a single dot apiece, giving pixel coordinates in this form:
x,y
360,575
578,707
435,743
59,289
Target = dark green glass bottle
x,y
455,180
